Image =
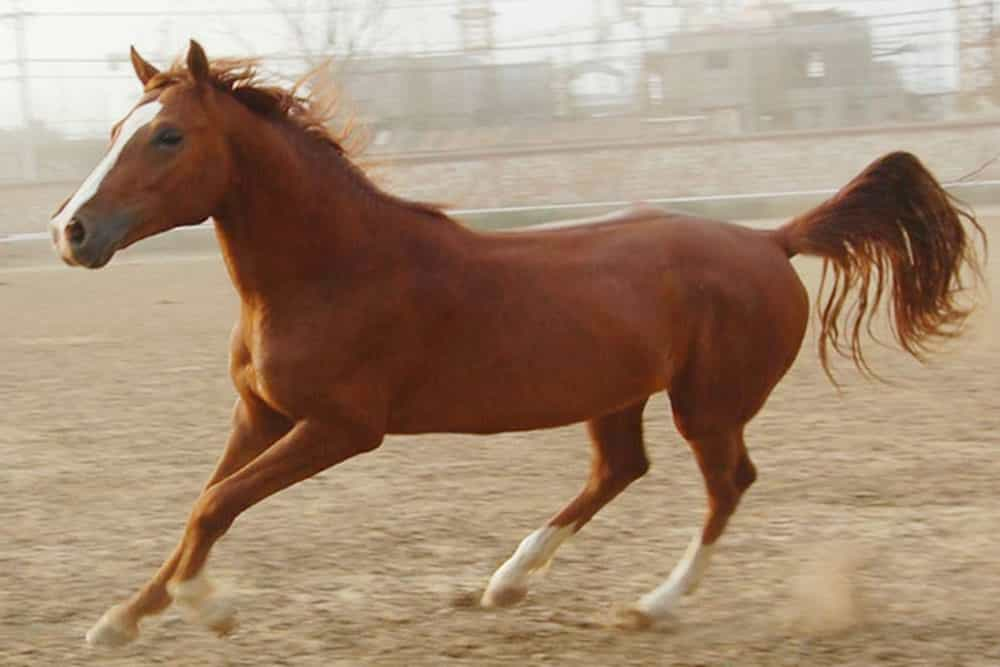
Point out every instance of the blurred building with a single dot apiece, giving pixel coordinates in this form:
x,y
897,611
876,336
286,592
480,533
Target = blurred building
x,y
796,70
450,91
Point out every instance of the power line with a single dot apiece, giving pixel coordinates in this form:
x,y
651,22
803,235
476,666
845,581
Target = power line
x,y
304,11
872,20
229,11
286,56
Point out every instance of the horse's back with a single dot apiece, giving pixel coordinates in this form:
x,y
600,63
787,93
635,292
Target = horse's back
x,y
696,259
702,252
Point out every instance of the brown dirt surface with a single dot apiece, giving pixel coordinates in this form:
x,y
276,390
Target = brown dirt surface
x,y
869,539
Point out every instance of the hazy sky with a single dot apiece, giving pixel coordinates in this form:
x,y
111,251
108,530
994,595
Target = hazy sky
x,y
76,87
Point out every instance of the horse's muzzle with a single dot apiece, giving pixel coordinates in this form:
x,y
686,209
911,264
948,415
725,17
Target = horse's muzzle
x,y
88,242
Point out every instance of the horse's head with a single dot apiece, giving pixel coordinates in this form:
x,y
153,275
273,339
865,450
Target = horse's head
x,y
168,166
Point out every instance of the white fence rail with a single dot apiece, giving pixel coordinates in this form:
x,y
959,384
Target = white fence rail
x,y
956,188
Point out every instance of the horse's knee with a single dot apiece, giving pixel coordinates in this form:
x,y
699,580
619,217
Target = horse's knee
x,y
210,517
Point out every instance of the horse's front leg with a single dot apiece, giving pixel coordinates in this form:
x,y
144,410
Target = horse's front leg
x,y
255,428
310,447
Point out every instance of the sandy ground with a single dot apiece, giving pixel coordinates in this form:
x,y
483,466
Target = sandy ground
x,y
870,537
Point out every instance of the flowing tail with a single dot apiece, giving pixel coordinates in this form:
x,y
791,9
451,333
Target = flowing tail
x,y
894,231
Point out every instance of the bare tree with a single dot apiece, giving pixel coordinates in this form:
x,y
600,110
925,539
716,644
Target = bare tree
x,y
332,33
329,36
325,39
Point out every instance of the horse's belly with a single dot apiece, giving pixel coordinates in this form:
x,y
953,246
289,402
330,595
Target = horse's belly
x,y
550,342
535,391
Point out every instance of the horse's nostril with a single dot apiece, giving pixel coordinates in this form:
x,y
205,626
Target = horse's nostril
x,y
75,233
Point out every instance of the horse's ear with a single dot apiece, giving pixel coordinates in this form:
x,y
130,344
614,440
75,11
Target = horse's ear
x,y
197,62
143,69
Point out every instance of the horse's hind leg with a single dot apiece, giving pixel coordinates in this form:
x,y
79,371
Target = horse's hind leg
x,y
618,458
728,473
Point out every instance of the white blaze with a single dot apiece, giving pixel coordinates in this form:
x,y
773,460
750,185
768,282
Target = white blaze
x,y
139,118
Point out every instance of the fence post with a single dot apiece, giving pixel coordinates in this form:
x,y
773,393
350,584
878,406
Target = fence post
x,y
29,157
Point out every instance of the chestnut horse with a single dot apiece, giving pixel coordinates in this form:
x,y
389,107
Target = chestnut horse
x,y
363,314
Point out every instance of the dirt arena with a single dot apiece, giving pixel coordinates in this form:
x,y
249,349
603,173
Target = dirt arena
x,y
869,539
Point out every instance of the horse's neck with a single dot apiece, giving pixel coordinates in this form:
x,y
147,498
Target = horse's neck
x,y
292,220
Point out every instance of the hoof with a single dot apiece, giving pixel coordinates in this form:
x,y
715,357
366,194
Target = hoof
x,y
631,619
506,596
218,614
205,604
112,630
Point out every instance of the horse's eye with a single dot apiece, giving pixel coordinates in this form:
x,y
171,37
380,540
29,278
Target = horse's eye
x,y
168,137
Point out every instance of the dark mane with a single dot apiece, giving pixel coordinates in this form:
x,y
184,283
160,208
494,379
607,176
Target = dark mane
x,y
306,112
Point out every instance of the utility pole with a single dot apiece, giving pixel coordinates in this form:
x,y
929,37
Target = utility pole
x,y
29,162
975,52
475,21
